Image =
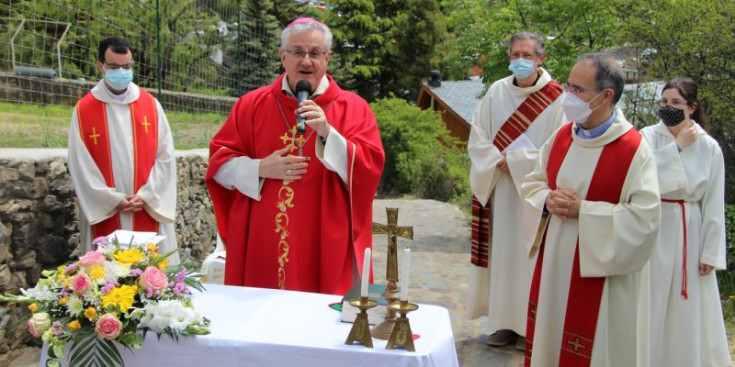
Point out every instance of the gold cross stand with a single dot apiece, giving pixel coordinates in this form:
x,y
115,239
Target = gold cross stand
x,y
392,230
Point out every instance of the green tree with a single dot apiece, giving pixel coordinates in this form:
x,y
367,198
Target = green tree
x,y
482,30
255,51
417,30
359,39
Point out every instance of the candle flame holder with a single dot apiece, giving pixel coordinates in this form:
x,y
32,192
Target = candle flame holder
x,y
402,336
360,331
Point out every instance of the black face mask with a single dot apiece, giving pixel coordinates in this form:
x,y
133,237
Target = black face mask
x,y
671,116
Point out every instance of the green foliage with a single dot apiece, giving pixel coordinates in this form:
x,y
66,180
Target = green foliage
x,y
726,279
256,58
483,29
421,158
384,47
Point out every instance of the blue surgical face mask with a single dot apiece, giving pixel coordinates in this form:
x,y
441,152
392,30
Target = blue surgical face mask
x,y
119,79
521,67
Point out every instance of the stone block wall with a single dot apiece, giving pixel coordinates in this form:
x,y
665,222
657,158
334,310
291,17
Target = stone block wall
x,y
39,225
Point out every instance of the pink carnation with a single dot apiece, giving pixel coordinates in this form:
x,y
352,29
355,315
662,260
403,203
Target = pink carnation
x,y
80,284
153,278
108,327
38,323
91,259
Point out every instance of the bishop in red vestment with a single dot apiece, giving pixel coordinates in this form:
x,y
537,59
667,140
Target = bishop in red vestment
x,y
294,210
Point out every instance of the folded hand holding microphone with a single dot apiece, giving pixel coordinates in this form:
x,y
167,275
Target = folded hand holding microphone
x,y
303,90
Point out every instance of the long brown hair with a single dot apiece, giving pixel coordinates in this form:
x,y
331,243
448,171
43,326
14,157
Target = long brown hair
x,y
689,90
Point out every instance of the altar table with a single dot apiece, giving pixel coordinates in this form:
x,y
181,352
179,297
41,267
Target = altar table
x,y
265,327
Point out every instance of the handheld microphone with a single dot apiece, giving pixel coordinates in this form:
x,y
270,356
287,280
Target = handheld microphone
x,y
303,90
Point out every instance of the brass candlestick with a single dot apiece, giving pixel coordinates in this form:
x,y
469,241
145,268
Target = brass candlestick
x,y
360,331
384,329
402,335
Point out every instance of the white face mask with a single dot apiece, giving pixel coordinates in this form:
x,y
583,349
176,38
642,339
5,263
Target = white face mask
x,y
576,109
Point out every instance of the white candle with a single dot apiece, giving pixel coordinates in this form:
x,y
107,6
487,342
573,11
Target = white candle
x,y
404,278
365,273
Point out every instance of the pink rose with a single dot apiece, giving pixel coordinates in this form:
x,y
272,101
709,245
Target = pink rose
x,y
153,278
80,284
91,259
108,327
38,323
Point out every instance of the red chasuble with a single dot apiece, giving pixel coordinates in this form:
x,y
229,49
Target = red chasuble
x,y
92,117
301,235
585,294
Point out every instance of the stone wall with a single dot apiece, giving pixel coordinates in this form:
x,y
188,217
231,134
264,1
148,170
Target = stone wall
x,y
39,226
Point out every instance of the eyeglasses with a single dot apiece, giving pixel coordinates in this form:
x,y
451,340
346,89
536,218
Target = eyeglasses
x,y
299,54
573,89
128,66
673,102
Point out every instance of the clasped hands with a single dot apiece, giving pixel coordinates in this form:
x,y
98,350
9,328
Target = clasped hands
x,y
563,203
130,204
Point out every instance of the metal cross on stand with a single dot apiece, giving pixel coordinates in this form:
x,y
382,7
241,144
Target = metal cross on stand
x,y
393,231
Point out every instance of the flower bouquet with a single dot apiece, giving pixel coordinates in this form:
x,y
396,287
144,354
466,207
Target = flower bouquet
x,y
112,294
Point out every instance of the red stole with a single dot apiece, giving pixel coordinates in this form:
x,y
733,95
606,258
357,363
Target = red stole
x,y
512,128
585,293
92,117
301,235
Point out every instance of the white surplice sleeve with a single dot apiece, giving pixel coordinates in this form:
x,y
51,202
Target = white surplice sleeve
x,y
333,153
535,187
713,249
483,154
241,173
96,200
159,192
616,239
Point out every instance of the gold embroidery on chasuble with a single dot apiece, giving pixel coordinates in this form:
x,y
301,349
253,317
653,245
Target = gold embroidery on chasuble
x,y
285,199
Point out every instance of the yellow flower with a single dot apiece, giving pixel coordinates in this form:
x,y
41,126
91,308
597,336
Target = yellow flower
x,y
63,300
121,297
135,288
130,256
33,307
97,272
90,313
61,269
67,282
74,325
163,264
152,247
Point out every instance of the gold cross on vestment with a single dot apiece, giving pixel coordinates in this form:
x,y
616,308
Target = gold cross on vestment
x,y
295,142
145,123
576,344
94,135
393,231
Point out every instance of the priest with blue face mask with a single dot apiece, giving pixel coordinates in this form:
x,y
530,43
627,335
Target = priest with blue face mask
x,y
121,155
516,116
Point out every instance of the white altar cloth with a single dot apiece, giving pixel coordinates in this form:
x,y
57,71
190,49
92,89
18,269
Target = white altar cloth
x,y
265,327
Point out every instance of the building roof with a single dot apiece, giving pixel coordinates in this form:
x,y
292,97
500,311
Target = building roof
x,y
462,96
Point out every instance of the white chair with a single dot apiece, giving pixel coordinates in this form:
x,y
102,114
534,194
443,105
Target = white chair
x,y
213,267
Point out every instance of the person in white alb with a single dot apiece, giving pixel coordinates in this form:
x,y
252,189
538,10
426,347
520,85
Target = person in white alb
x,y
596,176
516,117
687,327
121,155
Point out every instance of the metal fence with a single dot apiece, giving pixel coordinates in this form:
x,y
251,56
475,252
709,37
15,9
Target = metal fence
x,y
48,48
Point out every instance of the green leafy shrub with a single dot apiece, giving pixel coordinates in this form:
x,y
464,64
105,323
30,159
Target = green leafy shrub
x,y
726,278
421,157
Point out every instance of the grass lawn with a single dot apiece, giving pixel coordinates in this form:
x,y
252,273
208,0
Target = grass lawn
x,y
27,125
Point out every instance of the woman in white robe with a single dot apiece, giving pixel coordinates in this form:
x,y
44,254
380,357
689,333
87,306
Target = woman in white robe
x,y
687,327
